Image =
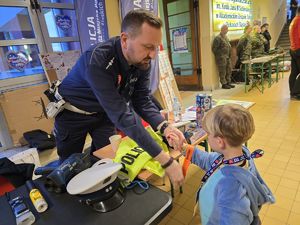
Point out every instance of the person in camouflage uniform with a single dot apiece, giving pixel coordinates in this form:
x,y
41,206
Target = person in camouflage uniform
x,y
243,48
258,42
222,51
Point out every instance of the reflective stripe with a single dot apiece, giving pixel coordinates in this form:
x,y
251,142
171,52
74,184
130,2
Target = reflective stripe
x,y
72,108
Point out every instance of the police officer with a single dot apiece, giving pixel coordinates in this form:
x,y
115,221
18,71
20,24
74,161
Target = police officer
x,y
257,42
105,79
222,51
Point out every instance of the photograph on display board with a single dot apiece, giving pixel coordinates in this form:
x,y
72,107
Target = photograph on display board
x,y
58,64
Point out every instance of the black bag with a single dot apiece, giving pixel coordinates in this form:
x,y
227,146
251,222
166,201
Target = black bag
x,y
238,76
40,139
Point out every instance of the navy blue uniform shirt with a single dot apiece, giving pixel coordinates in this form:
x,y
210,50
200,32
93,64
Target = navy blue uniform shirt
x,y
102,81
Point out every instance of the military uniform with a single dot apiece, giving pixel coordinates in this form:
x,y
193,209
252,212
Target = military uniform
x,y
222,51
258,42
243,49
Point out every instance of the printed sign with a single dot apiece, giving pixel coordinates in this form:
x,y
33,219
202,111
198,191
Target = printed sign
x,y
17,60
179,40
64,22
92,22
234,13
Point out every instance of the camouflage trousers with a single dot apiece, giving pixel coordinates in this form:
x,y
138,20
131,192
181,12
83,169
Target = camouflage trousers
x,y
225,69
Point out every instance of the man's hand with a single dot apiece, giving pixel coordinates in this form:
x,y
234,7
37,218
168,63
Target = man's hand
x,y
174,172
174,137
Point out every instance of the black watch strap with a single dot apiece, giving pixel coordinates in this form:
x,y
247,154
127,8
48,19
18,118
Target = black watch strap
x,y
167,164
163,127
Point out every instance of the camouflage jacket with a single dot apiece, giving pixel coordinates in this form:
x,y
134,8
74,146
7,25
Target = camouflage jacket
x,y
257,42
221,47
243,47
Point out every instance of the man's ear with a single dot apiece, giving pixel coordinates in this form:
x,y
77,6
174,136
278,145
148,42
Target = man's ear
x,y
124,38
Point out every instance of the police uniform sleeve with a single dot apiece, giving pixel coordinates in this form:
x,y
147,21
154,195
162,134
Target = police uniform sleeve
x,y
142,102
102,82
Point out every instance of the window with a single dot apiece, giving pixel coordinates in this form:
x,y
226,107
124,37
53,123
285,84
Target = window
x,y
25,32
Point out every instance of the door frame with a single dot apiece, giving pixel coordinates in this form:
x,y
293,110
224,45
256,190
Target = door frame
x,y
193,82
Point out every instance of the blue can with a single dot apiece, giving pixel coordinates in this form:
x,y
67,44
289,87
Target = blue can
x,y
203,104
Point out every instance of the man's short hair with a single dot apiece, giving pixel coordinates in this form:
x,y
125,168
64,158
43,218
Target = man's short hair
x,y
264,25
134,19
232,122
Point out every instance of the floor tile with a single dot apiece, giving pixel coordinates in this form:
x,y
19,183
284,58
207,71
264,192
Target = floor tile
x,y
286,192
285,182
271,221
294,219
296,208
184,216
277,213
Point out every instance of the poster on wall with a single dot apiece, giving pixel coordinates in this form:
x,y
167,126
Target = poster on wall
x,y
92,22
234,13
152,6
179,40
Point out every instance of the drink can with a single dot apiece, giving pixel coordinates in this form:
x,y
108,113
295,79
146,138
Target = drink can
x,y
204,101
203,104
207,102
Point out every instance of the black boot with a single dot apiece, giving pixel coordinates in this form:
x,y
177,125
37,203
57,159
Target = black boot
x,y
230,85
225,86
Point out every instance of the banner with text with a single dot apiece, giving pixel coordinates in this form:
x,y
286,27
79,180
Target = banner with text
x,y
128,5
92,22
234,13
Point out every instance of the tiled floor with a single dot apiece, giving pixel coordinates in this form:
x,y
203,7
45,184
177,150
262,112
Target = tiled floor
x,y
277,121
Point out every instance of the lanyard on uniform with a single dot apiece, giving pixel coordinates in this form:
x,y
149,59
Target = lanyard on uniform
x,y
220,160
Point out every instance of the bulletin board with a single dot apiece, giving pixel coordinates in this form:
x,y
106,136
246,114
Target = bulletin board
x,y
167,88
58,64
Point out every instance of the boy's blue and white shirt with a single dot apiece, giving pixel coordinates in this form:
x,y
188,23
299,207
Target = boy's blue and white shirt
x,y
232,195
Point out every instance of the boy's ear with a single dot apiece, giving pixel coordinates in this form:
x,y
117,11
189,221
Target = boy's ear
x,y
221,143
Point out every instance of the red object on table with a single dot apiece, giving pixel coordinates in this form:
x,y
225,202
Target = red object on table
x,y
145,124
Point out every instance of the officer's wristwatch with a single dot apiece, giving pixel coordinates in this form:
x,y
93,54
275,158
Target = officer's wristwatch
x,y
163,127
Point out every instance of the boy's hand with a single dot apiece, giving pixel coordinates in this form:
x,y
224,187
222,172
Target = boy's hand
x,y
174,137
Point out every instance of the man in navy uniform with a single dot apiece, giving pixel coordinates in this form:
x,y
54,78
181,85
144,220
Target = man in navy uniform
x,y
105,79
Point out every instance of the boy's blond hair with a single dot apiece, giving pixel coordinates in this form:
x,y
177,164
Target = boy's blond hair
x,y
231,121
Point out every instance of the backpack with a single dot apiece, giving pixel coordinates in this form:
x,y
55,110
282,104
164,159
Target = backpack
x,y
39,139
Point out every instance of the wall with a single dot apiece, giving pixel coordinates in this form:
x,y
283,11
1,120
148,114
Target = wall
x,y
113,17
209,70
274,10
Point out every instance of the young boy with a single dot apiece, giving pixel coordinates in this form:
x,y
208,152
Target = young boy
x,y
232,191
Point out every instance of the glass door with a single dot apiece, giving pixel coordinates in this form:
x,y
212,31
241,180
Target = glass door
x,y
181,21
